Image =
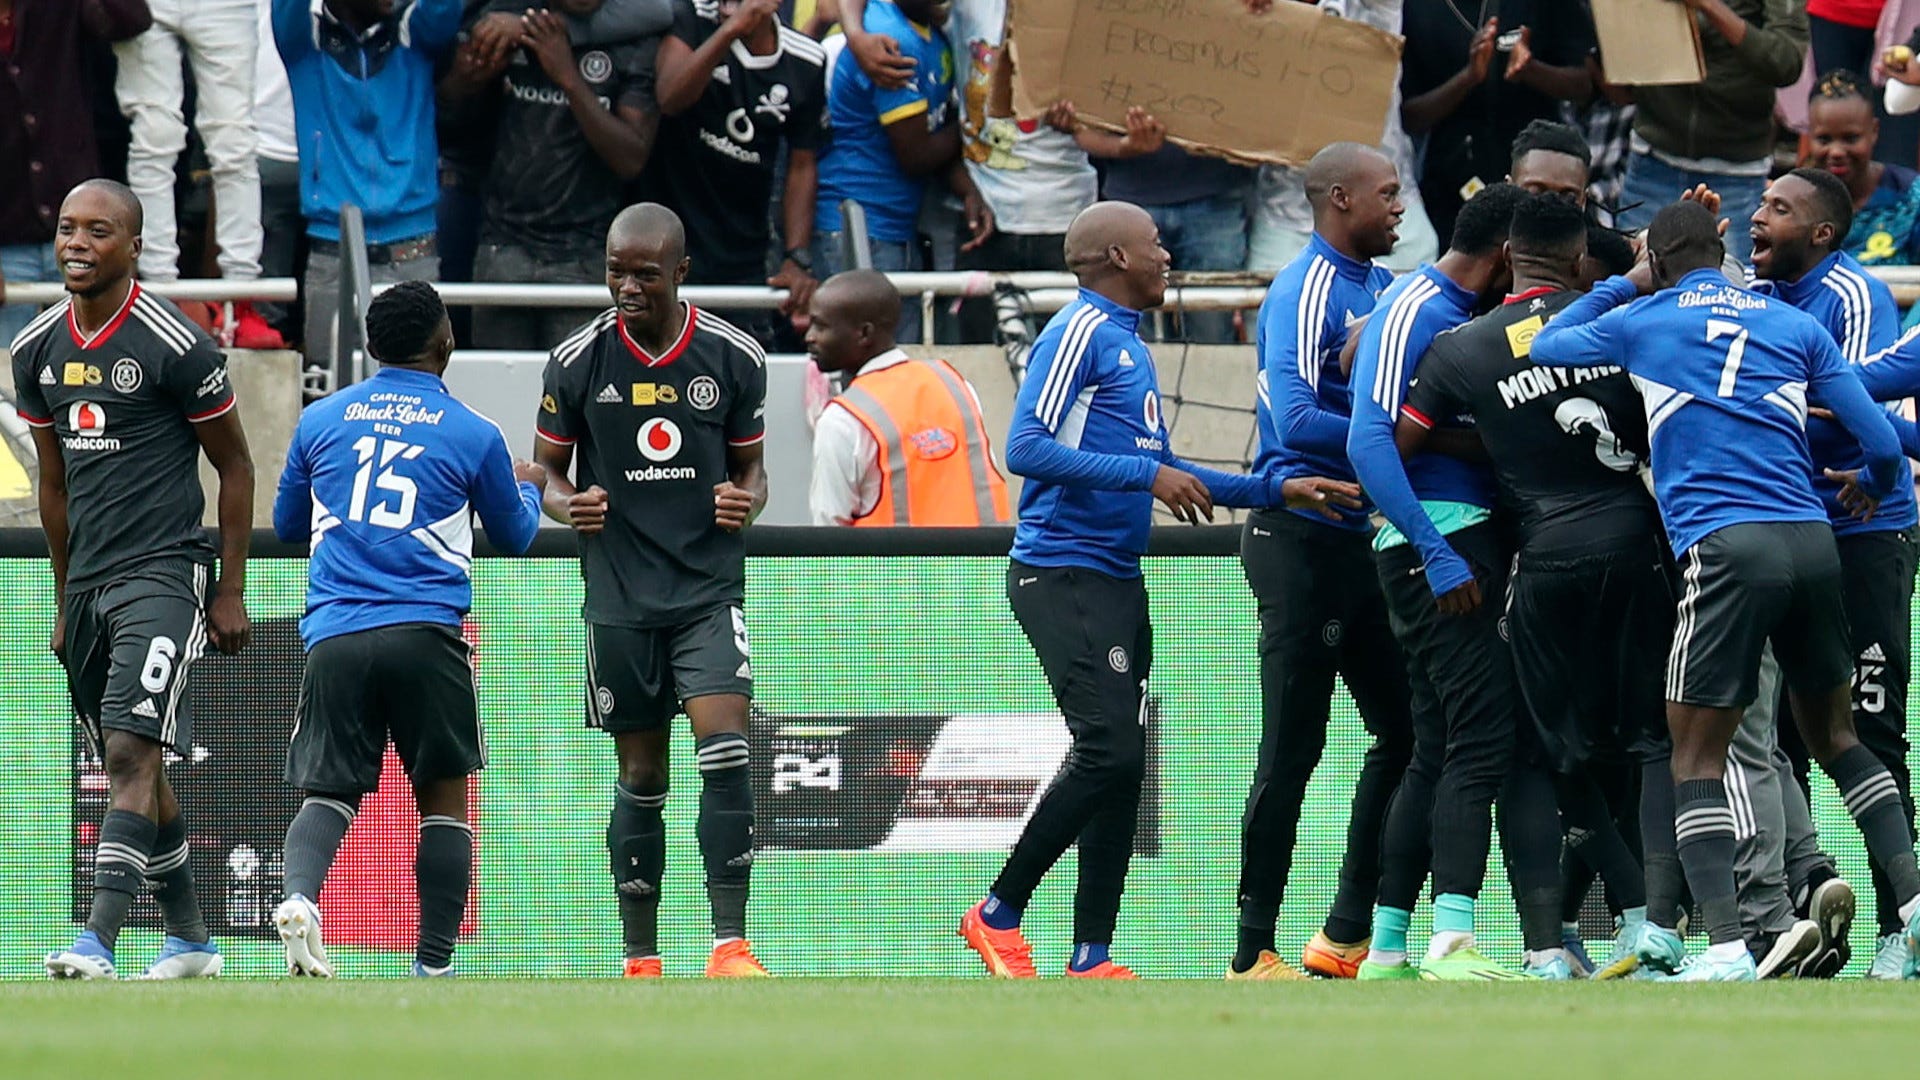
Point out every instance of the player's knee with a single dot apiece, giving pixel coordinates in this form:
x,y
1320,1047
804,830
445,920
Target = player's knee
x,y
131,760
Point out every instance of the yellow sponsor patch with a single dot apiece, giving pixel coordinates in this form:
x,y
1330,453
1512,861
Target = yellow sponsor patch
x,y
548,405
646,393
1520,335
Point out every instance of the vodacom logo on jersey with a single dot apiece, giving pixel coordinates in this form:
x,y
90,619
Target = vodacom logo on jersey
x,y
659,440
88,423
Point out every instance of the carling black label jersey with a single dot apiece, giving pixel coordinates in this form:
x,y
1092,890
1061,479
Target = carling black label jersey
x,y
654,432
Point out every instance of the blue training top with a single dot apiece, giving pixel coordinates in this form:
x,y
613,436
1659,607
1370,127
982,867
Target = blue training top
x,y
1088,437
1305,402
382,480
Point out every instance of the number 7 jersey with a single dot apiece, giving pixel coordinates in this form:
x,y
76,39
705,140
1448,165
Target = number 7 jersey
x,y
1725,375
654,431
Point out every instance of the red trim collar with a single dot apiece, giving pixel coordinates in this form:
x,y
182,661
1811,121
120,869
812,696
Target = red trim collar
x,y
673,353
1538,290
94,342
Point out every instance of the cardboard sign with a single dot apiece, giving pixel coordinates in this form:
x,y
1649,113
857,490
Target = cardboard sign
x,y
1276,87
1648,42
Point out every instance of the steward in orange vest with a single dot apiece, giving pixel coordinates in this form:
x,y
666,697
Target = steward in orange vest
x,y
905,443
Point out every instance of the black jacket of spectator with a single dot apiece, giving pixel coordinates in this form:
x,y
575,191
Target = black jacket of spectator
x,y
46,107
1475,141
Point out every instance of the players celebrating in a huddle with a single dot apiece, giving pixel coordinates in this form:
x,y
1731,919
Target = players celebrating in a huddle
x,y
1578,531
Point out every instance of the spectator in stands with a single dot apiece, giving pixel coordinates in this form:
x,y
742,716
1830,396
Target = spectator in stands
x,y
362,78
1198,202
1282,219
1033,177
906,443
1718,132
738,86
46,127
1470,89
218,38
1606,120
283,247
467,127
1841,134
576,123
885,144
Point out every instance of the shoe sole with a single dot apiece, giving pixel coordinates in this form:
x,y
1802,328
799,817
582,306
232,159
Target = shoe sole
x,y
304,957
1791,950
1831,907
185,966
1321,966
74,966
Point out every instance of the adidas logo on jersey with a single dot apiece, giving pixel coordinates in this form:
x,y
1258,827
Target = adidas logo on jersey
x,y
1874,654
46,377
609,396
146,709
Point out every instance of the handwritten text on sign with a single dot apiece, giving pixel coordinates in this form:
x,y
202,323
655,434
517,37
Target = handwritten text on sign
x,y
1272,87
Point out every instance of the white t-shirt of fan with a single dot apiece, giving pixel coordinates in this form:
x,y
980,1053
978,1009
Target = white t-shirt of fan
x,y
1033,177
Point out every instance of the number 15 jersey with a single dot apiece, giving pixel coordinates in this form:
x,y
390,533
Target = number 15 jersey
x,y
654,431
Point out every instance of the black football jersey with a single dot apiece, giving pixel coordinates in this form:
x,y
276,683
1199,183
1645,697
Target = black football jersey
x,y
714,164
654,432
123,403
1567,443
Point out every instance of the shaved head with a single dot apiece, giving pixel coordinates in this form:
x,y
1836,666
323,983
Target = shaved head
x,y
651,226
130,214
1098,228
1342,164
1114,249
854,316
861,296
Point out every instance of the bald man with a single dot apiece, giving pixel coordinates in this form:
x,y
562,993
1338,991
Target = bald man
x,y
906,443
1088,436
651,430
123,394
1321,610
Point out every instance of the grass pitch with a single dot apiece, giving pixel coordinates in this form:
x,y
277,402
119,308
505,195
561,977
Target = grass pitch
x,y
830,1028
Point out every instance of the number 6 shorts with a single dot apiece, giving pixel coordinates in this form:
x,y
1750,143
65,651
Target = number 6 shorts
x,y
638,677
130,648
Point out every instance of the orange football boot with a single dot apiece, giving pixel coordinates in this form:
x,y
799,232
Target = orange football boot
x,y
1329,959
735,960
644,967
1105,969
1006,952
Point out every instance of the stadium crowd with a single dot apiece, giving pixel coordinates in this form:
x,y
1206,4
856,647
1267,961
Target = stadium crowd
x,y
488,140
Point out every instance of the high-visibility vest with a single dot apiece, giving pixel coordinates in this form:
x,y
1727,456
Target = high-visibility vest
x,y
936,465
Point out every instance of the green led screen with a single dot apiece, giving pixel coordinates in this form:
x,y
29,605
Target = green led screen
x,y
902,729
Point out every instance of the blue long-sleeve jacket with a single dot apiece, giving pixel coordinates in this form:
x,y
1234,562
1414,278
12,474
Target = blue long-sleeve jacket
x,y
1088,437
363,108
1726,375
1411,313
382,480
1305,402
1859,312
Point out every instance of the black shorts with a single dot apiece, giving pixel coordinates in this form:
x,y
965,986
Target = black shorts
x,y
413,683
130,649
638,677
1744,585
1590,638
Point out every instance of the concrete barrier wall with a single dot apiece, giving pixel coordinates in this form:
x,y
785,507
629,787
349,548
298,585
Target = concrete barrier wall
x,y
1207,390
